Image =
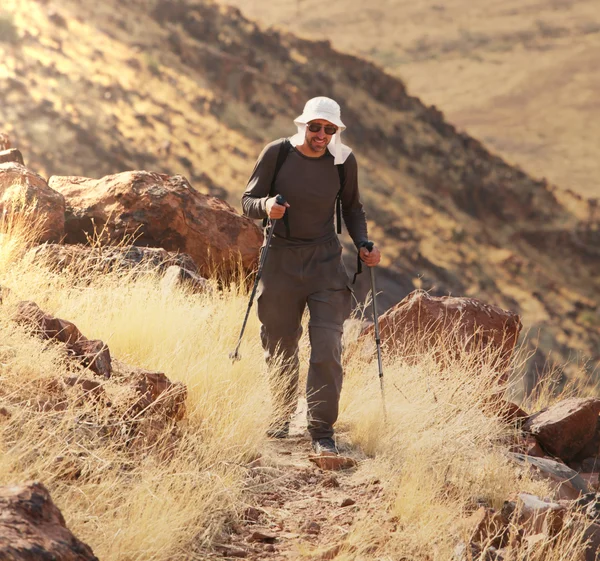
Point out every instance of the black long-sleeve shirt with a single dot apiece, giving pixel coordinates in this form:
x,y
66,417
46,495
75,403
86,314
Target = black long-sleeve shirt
x,y
310,186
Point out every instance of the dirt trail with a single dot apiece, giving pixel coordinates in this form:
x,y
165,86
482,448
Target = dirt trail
x,y
302,511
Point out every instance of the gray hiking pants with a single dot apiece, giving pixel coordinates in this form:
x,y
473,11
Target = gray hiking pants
x,y
294,277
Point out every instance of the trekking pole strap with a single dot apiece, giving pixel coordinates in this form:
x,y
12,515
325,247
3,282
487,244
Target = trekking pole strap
x,y
369,246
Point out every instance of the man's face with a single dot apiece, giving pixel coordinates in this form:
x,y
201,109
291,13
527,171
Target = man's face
x,y
318,141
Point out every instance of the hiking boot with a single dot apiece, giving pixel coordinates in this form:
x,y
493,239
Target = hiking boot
x,y
325,446
281,430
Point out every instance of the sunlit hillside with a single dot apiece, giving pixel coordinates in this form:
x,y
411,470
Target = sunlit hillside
x,y
198,89
519,75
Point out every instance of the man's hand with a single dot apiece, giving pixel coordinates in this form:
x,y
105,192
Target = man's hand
x,y
370,258
274,210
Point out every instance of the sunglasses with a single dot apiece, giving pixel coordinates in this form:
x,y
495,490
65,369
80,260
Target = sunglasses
x,y
316,127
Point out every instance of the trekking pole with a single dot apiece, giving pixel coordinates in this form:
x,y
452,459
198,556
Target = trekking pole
x,y
369,246
235,355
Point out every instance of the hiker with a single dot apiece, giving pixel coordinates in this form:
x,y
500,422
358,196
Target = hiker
x,y
311,170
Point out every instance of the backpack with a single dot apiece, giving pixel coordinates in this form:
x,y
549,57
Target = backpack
x,y
284,150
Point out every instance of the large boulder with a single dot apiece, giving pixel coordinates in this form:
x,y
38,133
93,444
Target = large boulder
x,y
21,188
565,428
33,528
158,210
424,321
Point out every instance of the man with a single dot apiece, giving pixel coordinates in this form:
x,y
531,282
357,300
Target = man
x,y
304,264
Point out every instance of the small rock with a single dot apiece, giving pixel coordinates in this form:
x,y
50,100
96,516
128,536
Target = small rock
x,y
330,482
347,502
311,527
262,537
333,463
230,551
252,514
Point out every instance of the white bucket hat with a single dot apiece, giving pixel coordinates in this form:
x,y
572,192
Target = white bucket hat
x,y
329,110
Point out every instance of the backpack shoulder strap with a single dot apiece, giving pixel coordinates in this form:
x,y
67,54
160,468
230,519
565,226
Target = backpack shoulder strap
x,y
284,150
338,200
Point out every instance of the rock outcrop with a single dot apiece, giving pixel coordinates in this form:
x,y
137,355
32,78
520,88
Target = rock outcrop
x,y
23,190
11,155
33,528
421,321
93,354
158,210
147,403
564,429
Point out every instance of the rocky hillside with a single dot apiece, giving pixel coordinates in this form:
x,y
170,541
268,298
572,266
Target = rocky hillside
x,y
197,89
518,74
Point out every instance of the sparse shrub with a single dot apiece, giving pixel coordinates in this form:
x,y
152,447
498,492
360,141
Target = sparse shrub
x,y
8,29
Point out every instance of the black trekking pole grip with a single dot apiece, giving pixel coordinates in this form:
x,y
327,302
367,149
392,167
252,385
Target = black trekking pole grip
x,y
235,355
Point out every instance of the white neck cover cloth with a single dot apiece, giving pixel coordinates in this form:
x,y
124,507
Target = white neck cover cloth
x,y
327,109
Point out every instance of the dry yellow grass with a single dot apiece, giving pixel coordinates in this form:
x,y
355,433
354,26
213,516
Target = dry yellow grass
x,y
131,505
439,453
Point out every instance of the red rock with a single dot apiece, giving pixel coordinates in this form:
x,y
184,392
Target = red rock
x,y
158,393
11,155
566,427
592,537
427,321
489,527
529,446
32,527
93,354
311,527
536,515
159,211
568,483
592,448
158,404
332,463
263,537
509,412
90,388
19,186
